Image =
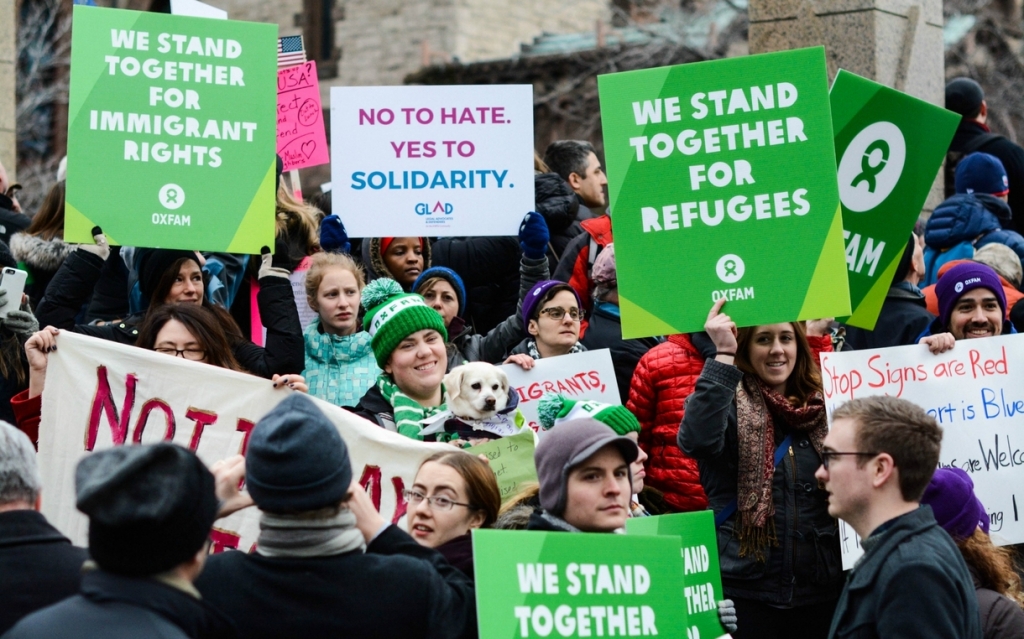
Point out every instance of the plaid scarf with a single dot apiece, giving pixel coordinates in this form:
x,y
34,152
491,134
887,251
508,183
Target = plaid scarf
x,y
531,349
758,410
408,412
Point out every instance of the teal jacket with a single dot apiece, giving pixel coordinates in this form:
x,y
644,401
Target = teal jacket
x,y
338,369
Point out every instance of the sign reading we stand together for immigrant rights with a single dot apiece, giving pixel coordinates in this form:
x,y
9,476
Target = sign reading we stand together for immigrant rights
x,y
172,131
722,184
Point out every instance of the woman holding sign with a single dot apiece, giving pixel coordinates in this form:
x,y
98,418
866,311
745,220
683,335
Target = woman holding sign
x,y
755,423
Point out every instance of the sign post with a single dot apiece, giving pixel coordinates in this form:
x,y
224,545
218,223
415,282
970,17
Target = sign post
x,y
722,183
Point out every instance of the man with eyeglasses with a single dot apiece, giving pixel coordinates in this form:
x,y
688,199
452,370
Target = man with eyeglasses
x,y
912,581
326,563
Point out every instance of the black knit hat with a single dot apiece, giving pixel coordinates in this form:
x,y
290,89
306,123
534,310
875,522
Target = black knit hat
x,y
296,460
964,96
153,263
150,507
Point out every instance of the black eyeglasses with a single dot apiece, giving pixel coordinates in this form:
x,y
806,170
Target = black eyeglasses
x,y
440,502
827,455
557,313
194,354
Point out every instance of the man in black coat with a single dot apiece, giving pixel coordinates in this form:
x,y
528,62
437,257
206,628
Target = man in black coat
x,y
326,563
904,314
38,564
966,97
150,509
912,581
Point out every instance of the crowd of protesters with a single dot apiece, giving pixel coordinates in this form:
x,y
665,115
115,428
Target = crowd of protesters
x,y
730,419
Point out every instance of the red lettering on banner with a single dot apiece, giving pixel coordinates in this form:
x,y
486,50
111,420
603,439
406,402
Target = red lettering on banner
x,y
103,403
244,426
402,505
148,408
202,418
370,481
223,540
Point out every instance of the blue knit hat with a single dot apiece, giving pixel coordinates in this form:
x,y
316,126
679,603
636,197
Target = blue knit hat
x,y
538,291
447,275
296,460
981,173
961,279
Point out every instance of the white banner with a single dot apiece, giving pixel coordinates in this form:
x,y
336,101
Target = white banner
x,y
587,375
101,394
432,160
976,393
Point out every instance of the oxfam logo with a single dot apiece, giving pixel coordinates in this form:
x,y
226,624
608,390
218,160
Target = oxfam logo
x,y
871,166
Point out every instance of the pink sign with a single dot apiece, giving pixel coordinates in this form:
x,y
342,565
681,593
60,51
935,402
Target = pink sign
x,y
301,140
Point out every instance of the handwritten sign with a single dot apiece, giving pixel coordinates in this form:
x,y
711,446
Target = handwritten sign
x,y
101,394
301,140
587,375
511,459
976,393
432,160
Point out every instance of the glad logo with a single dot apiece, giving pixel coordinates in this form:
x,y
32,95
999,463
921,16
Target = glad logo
x,y
871,166
423,208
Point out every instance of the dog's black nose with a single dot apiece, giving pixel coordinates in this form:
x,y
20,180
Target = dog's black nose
x,y
490,402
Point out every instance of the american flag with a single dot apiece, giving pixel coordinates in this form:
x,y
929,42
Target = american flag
x,y
290,51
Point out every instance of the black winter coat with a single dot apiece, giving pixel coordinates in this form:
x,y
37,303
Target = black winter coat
x,y
489,267
1012,157
560,206
39,566
1001,617
285,351
903,317
373,407
10,220
911,583
397,589
40,258
605,331
115,607
805,568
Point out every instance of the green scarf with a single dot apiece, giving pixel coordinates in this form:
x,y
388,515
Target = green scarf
x,y
408,412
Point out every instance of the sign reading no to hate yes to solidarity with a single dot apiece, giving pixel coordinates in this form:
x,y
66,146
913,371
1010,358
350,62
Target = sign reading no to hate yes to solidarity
x,y
889,147
171,133
722,181
425,161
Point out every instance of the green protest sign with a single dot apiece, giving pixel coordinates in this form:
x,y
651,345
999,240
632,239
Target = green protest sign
x,y
537,584
722,184
882,187
172,131
511,459
702,577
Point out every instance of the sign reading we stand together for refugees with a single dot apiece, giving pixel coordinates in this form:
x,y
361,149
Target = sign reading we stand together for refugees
x,y
430,161
722,184
172,131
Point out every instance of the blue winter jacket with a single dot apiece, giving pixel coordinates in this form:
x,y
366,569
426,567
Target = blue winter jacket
x,y
338,369
966,217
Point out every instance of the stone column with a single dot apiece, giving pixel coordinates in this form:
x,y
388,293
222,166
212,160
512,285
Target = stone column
x,y
8,58
895,42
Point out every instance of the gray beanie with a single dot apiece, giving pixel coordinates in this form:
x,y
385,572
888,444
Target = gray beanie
x,y
150,507
562,449
296,460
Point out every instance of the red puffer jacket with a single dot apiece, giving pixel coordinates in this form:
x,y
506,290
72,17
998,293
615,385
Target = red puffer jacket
x,y
664,378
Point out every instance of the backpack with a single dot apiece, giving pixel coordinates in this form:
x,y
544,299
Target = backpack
x,y
935,258
953,158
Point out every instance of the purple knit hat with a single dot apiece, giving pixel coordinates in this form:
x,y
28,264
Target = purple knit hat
x,y
963,278
951,496
539,289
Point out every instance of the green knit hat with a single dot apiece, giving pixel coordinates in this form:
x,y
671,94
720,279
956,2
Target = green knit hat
x,y
392,315
554,409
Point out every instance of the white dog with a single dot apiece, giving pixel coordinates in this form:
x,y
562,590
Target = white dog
x,y
476,391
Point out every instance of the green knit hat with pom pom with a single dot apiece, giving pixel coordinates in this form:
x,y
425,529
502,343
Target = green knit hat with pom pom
x,y
392,315
554,409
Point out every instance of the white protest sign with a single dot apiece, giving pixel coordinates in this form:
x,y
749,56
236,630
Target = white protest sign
x,y
197,9
976,393
586,375
101,394
432,160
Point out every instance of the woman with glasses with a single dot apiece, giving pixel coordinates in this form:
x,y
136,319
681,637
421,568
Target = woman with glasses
x,y
189,331
755,423
551,312
452,494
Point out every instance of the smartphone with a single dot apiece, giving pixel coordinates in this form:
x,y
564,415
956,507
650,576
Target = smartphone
x,y
12,280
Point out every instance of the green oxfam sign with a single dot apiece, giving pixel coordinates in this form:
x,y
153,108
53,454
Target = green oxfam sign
x,y
172,131
702,578
889,147
722,179
536,584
